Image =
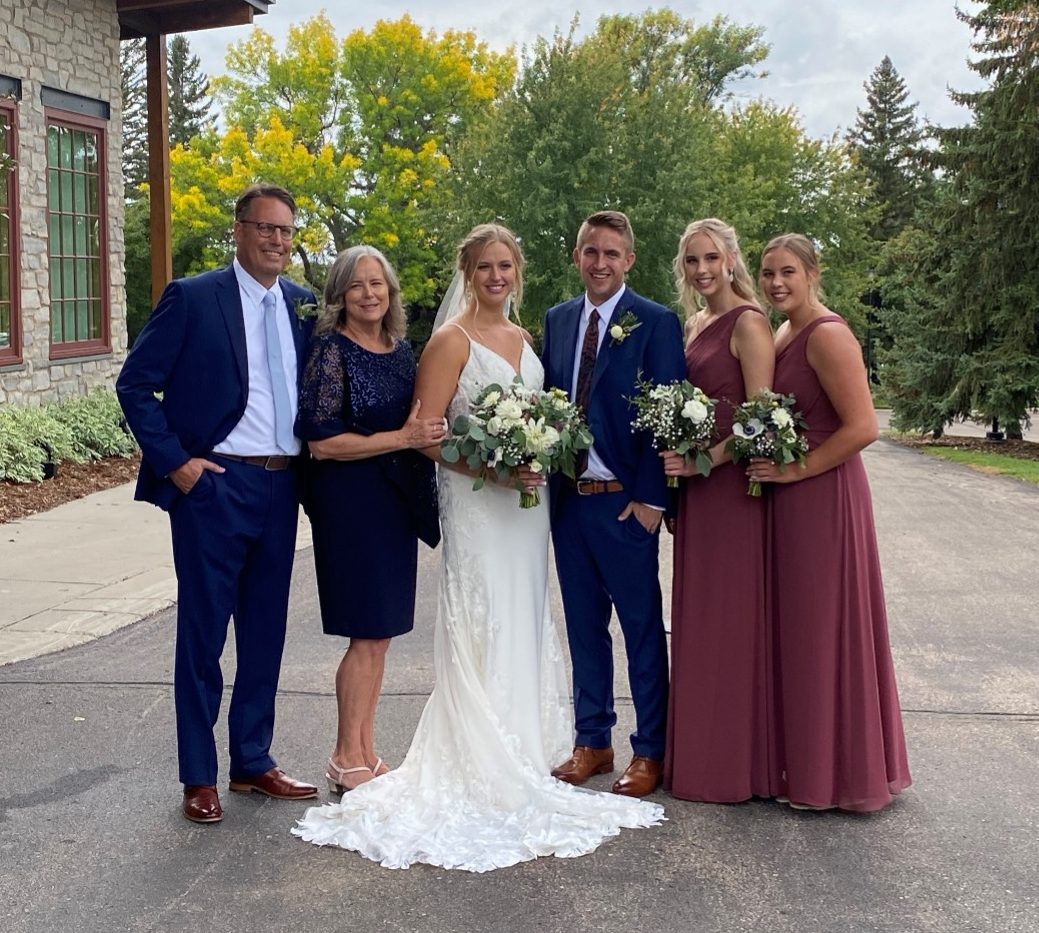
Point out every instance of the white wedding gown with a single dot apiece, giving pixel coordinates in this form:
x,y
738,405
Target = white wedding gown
x,y
474,791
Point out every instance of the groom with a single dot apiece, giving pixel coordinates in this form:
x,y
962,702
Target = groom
x,y
605,525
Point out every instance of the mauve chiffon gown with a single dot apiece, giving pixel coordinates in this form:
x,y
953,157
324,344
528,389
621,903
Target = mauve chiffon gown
x,y
840,738
720,745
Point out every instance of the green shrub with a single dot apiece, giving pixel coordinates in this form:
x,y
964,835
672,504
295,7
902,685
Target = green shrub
x,y
96,423
28,438
78,430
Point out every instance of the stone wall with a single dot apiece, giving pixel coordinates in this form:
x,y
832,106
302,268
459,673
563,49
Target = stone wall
x,y
73,46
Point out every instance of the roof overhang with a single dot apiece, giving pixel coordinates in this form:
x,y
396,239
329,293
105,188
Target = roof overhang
x,y
139,18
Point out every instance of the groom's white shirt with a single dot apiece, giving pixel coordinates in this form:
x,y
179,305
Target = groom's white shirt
x,y
596,468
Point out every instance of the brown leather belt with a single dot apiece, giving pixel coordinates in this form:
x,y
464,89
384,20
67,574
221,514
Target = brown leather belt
x,y
593,487
273,462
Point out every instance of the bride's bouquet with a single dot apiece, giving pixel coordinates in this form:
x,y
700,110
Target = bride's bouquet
x,y
679,417
512,426
768,425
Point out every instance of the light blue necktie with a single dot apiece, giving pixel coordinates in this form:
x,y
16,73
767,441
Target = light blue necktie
x,y
279,384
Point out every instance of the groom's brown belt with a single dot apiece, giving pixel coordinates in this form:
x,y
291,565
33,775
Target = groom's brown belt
x,y
592,487
273,462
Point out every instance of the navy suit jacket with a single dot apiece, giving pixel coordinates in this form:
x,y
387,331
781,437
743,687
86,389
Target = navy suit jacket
x,y
654,349
193,352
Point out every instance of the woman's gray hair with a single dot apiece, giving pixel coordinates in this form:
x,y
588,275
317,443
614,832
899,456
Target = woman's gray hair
x,y
333,315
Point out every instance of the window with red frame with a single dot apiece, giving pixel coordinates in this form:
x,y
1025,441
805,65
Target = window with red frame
x,y
76,205
10,342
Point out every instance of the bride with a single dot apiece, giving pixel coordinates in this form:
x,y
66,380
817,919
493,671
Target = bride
x,y
474,791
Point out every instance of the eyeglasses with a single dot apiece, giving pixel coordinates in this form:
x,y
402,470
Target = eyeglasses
x,y
266,230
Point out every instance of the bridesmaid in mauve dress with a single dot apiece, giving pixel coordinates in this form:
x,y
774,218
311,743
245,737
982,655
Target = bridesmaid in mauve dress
x,y
720,736
840,738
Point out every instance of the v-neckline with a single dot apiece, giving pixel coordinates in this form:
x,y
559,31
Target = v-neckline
x,y
516,370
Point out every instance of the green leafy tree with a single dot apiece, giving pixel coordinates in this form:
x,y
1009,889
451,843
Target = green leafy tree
x,y
137,242
361,130
982,334
190,103
633,118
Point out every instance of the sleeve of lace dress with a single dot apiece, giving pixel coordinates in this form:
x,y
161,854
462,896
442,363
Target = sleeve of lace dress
x,y
321,392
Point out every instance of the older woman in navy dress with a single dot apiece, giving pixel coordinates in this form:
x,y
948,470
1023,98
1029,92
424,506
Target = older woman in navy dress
x,y
370,494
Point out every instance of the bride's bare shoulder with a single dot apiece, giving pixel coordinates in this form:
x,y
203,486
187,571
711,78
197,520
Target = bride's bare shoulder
x,y
448,341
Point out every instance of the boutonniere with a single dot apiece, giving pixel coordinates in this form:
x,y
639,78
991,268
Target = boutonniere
x,y
305,309
621,331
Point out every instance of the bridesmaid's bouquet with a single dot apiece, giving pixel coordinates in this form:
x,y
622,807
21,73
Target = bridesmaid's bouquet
x,y
679,417
768,425
512,426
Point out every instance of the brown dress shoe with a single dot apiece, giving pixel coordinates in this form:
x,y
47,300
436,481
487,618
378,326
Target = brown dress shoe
x,y
202,804
643,776
583,763
274,783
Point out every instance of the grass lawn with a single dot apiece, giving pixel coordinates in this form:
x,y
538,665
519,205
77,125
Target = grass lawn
x,y
984,462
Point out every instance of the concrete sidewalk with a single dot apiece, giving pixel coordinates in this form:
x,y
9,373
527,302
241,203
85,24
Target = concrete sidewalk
x,y
83,570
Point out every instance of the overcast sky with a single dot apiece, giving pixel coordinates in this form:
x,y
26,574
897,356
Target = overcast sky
x,y
822,51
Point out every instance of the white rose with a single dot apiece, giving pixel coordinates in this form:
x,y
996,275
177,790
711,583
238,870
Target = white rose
x,y
617,332
494,426
551,436
509,410
750,430
781,418
694,411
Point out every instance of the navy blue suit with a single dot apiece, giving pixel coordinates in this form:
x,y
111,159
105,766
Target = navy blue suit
x,y
233,533
603,563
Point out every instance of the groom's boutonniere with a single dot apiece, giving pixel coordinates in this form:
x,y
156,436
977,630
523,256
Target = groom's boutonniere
x,y
621,331
305,309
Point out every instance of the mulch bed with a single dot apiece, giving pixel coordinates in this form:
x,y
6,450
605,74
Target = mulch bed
x,y
1023,450
74,480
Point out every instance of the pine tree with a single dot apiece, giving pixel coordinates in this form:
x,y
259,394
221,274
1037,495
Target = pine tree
x,y
135,117
190,101
888,140
986,319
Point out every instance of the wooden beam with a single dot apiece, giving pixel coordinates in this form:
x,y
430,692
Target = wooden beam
x,y
160,223
189,19
129,6
159,17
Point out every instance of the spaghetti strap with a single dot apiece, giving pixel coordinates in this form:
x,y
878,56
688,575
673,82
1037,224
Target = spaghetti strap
x,y
462,329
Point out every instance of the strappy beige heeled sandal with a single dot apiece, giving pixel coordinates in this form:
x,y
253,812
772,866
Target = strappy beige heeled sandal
x,y
337,784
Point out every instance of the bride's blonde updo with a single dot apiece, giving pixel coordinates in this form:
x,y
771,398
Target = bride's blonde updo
x,y
471,249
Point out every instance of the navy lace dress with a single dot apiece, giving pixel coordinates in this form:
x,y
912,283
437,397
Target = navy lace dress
x,y
365,542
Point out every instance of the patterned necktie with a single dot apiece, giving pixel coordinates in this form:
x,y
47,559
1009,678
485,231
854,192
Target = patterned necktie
x,y
589,350
279,385
585,371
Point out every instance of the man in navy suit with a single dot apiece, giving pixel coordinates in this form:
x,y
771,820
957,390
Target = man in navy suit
x,y
605,525
225,350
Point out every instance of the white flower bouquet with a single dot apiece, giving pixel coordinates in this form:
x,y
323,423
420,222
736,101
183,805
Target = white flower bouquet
x,y
768,425
512,426
679,417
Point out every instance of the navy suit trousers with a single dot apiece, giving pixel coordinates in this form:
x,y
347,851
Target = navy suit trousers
x,y
234,538
603,563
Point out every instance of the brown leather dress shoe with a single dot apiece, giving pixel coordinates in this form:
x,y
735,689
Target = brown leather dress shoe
x,y
643,776
583,763
274,783
202,804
